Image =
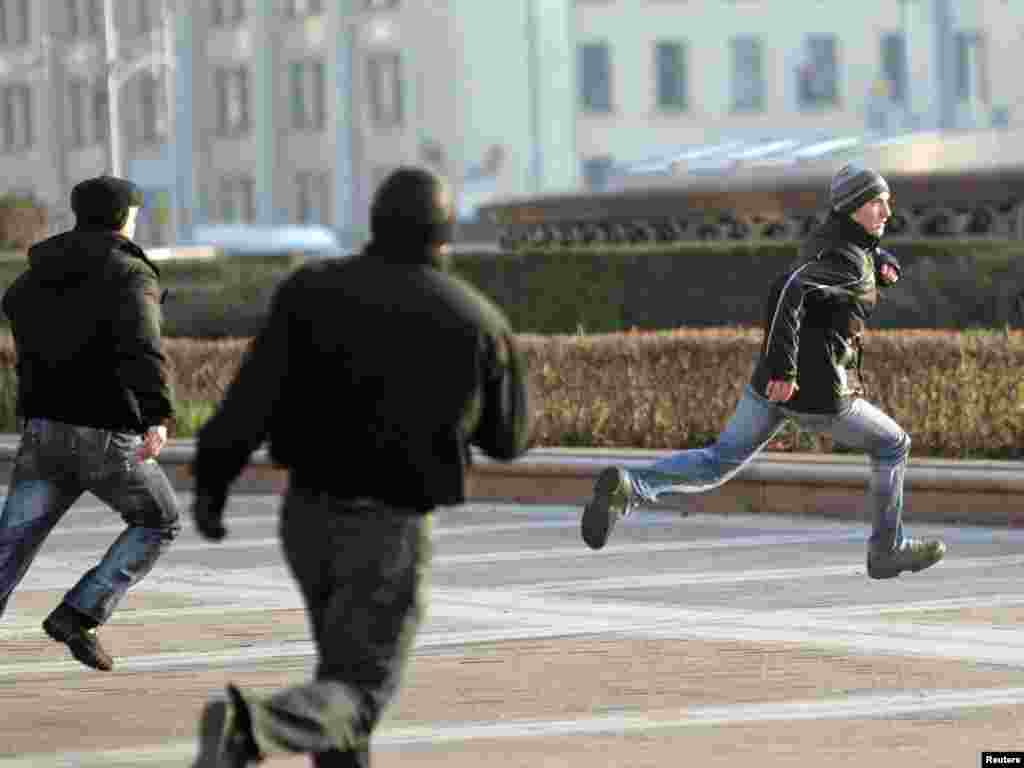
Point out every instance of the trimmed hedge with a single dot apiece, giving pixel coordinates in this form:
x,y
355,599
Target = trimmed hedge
x,y
958,395
22,221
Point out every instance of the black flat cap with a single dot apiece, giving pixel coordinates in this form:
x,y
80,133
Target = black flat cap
x,y
101,197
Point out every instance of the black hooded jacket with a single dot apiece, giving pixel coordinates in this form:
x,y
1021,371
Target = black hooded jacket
x,y
86,322
817,311
371,378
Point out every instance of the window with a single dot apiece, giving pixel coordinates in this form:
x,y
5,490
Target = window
x,y
77,89
232,92
237,199
297,9
307,92
87,112
970,76
384,76
596,77
670,71
16,102
596,172
313,197
13,22
85,18
151,125
226,12
144,17
818,83
894,66
747,74
101,113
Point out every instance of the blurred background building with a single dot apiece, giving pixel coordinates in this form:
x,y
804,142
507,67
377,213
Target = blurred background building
x,y
274,112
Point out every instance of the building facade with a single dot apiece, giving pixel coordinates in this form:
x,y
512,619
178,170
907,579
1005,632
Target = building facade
x,y
273,112
290,111
658,74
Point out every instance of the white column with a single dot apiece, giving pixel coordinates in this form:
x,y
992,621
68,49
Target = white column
x,y
555,97
113,89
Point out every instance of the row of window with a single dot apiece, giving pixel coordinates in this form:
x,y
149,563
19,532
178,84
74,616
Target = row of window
x,y
818,79
84,18
307,93
817,76
232,12
88,117
236,198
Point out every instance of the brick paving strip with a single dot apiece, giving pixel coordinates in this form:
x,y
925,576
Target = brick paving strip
x,y
610,700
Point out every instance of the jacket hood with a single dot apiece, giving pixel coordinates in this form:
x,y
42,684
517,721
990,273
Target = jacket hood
x,y
71,256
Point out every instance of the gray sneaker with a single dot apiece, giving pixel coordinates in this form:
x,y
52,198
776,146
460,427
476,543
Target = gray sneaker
x,y
613,498
915,555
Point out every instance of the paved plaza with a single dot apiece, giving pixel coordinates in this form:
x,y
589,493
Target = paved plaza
x,y
702,640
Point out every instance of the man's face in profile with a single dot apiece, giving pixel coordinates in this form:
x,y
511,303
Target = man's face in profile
x,y
874,214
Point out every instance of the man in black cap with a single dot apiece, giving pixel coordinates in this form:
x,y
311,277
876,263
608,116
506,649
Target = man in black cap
x,y
407,365
95,397
815,315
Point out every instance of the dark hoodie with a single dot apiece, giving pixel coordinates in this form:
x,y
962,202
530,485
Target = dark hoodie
x,y
372,377
86,322
816,313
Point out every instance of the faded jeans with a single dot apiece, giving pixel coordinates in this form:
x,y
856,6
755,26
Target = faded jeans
x,y
757,419
361,566
55,465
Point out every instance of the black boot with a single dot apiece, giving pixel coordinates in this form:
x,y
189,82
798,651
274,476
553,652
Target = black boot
x,y
225,734
78,632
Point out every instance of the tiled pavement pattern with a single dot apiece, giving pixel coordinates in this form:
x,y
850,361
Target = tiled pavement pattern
x,y
707,640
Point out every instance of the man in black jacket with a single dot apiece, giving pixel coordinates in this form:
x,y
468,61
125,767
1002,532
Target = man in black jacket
x,y
95,397
372,377
815,315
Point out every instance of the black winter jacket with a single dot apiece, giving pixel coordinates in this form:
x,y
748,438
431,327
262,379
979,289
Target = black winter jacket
x,y
86,322
371,378
817,311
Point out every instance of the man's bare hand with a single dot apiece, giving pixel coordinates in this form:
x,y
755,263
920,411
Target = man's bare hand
x,y
780,391
152,443
889,274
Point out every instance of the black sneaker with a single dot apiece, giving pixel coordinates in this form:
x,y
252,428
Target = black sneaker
x,y
915,555
225,734
613,498
65,625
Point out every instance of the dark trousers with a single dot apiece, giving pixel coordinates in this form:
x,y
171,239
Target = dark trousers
x,y
55,465
361,567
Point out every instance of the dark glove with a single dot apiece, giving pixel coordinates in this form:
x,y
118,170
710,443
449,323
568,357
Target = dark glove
x,y
885,257
208,514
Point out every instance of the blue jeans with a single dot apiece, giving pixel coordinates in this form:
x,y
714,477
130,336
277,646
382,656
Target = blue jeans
x,y
57,463
757,419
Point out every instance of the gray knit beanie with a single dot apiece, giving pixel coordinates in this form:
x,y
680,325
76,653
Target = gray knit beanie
x,y
852,186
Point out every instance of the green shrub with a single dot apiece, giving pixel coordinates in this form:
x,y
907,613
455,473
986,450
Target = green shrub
x,y
946,284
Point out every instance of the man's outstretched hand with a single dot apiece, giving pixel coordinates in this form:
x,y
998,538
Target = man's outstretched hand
x,y
208,515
